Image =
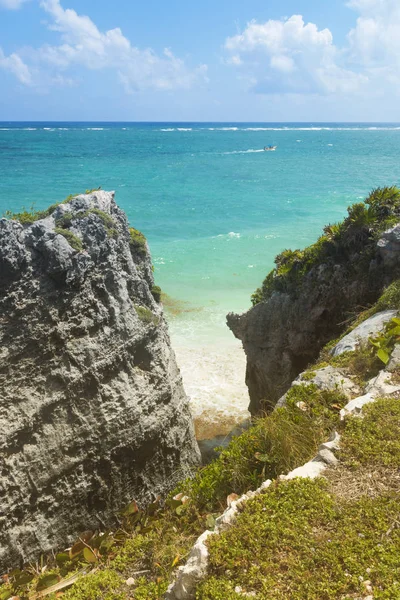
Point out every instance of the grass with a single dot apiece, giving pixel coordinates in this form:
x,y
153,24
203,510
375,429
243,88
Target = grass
x,y
275,444
156,292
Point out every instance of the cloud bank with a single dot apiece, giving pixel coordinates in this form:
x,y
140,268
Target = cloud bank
x,y
291,56
82,44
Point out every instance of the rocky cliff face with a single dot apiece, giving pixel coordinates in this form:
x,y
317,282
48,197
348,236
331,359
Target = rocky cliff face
x,y
307,300
92,408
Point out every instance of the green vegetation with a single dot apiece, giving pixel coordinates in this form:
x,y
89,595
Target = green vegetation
x,y
366,361
146,316
29,216
275,444
156,292
137,241
71,238
374,439
299,541
356,234
103,584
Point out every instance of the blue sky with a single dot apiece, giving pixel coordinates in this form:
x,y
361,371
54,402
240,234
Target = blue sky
x,y
264,60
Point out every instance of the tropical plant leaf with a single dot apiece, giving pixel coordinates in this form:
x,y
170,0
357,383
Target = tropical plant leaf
x,y
383,356
89,555
76,549
47,581
23,579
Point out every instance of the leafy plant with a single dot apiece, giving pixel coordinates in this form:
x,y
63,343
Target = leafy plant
x,y
386,341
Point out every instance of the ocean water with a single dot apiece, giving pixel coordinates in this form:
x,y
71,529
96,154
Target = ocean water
x,y
215,208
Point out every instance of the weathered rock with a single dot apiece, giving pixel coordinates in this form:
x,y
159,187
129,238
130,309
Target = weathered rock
x,y
355,406
327,378
284,333
389,246
92,408
394,362
310,470
361,333
382,385
184,587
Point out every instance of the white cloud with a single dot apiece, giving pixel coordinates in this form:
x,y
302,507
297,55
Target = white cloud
x,y
12,4
15,65
290,56
375,40
82,44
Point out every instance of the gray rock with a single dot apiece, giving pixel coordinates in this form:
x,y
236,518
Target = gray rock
x,y
362,332
92,407
389,247
355,406
394,362
285,333
382,385
327,378
327,456
189,575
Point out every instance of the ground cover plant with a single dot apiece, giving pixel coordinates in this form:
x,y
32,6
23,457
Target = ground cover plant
x,y
321,539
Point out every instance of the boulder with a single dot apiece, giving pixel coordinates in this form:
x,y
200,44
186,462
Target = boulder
x,y
93,413
370,327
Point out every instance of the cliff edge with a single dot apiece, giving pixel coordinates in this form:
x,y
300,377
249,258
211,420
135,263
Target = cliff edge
x,y
309,297
92,408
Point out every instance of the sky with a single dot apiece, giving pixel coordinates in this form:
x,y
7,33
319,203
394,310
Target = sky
x,y
214,60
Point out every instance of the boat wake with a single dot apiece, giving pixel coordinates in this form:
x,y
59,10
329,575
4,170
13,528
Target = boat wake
x,y
244,151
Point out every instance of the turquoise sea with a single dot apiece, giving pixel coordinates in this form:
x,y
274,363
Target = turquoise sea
x,y
214,206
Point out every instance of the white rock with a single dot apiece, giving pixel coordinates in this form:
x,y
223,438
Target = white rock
x,y
184,586
362,332
312,469
355,406
394,362
327,378
327,456
333,443
130,581
382,385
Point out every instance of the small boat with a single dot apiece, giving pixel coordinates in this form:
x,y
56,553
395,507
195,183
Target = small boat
x,y
270,148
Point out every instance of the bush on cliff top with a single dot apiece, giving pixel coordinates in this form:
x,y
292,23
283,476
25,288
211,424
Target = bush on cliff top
x,y
356,233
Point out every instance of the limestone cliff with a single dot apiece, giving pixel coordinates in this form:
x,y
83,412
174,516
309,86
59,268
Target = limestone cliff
x,y
92,408
307,299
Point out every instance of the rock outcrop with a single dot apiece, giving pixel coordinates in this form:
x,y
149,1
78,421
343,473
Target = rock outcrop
x,y
92,407
308,306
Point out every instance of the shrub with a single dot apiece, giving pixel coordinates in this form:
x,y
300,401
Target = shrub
x,y
137,241
146,316
71,238
355,235
156,292
275,444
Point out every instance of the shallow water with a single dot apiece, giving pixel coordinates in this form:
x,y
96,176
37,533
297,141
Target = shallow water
x,y
215,208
